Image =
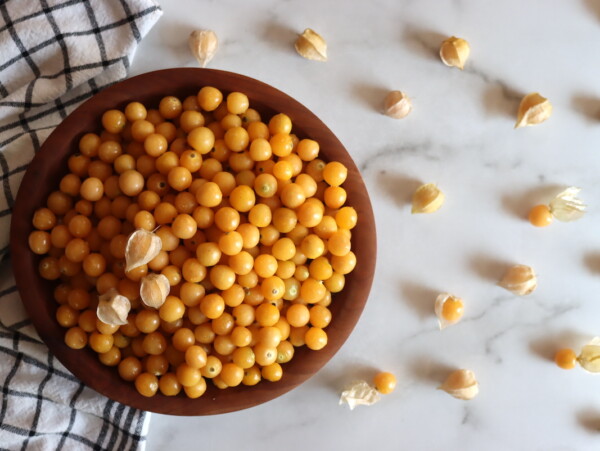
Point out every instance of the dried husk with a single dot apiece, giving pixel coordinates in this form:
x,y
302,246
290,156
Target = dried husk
x,y
589,358
439,308
154,289
454,52
397,105
113,308
566,206
204,45
359,393
427,199
142,246
461,384
311,45
534,109
519,279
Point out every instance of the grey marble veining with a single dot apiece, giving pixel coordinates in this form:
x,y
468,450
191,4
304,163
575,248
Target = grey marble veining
x,y
459,135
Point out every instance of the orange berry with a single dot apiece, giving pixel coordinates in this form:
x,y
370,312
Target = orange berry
x,y
540,216
385,382
565,359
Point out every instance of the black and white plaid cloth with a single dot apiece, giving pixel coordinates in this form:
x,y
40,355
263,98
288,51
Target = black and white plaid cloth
x,y
54,54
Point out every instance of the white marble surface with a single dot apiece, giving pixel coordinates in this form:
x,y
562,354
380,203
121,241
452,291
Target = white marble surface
x,y
460,135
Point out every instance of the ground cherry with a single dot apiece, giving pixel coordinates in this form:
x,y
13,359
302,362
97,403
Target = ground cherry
x,y
209,98
335,173
339,244
113,121
201,139
540,216
272,372
315,338
237,102
565,359
384,382
298,315
453,309
209,195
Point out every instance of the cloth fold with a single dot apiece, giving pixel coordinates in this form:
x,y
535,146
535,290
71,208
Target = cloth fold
x,y
54,55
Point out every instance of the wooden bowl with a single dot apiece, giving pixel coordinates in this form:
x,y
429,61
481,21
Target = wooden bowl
x,y
50,164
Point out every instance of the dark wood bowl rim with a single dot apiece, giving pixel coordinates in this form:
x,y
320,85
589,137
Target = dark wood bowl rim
x,y
49,164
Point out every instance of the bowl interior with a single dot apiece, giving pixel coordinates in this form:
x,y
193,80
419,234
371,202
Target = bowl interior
x,y
50,164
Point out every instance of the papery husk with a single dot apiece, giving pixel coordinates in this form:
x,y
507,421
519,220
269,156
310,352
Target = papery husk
x,y
519,279
142,246
359,393
113,308
311,45
427,199
397,105
461,384
154,289
204,45
533,109
589,357
566,206
454,52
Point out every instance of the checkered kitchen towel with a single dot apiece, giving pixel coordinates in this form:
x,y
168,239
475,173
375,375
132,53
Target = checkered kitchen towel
x,y
54,54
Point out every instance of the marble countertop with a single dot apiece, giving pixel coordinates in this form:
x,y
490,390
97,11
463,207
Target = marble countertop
x,y
460,135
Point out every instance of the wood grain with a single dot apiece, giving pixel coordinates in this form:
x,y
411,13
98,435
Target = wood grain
x,y
50,164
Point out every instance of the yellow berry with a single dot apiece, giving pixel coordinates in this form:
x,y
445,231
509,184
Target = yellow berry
x,y
385,382
453,309
565,359
540,216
